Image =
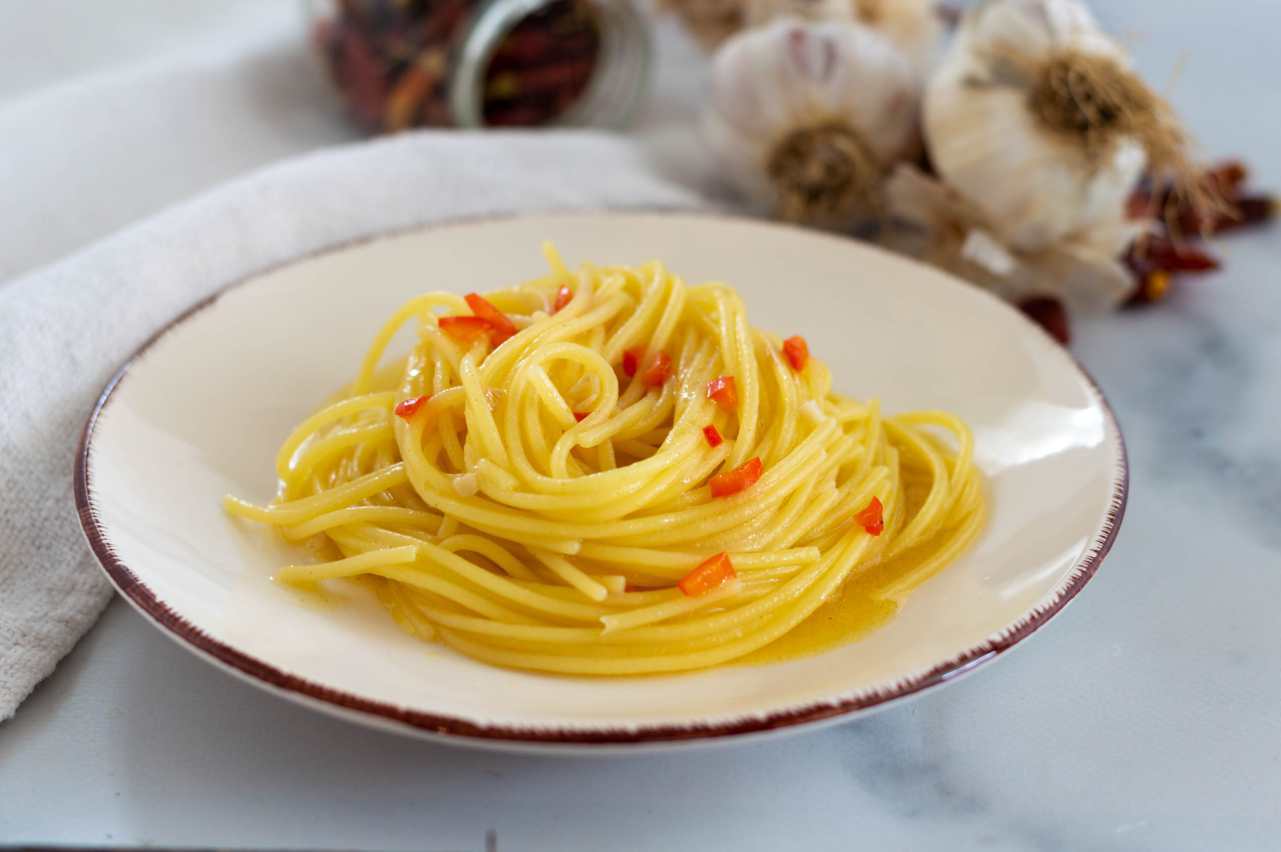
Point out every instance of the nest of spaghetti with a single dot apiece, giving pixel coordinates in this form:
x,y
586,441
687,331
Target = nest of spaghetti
x,y
610,472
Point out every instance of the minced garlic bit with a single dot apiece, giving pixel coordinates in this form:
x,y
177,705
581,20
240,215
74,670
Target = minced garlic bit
x,y
813,411
466,484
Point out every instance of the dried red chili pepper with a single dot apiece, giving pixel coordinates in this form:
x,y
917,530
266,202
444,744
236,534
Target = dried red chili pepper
x,y
1050,314
549,59
395,62
1153,287
1155,259
1164,253
1228,175
1175,209
1245,211
408,94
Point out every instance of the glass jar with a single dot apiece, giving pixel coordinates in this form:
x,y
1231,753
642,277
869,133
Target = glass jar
x,y
484,63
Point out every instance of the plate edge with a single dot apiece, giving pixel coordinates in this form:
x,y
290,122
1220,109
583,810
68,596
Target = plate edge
x,y
459,729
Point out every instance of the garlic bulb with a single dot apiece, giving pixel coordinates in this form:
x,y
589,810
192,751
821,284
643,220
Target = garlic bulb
x,y
806,119
913,26
1035,118
1082,269
758,13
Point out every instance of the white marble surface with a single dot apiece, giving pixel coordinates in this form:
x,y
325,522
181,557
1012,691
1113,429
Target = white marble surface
x,y
1146,717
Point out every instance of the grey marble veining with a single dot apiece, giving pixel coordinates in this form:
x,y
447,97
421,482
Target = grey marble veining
x,y
1144,718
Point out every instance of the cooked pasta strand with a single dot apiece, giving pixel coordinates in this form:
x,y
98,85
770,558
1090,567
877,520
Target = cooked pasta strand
x,y
547,506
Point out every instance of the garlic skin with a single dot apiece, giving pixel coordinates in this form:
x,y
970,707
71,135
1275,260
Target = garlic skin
x,y
760,13
806,119
914,26
1033,188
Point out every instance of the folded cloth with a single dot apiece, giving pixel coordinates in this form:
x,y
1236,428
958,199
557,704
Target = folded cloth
x,y
66,328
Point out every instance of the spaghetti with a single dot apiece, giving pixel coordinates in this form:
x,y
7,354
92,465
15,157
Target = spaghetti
x,y
610,472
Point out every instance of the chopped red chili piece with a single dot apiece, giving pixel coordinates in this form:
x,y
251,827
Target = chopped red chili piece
x,y
407,408
631,361
713,437
501,324
563,295
580,416
710,574
734,481
797,352
723,391
659,371
465,329
872,518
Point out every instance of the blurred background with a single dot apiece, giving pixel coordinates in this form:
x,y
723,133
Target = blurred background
x,y
112,111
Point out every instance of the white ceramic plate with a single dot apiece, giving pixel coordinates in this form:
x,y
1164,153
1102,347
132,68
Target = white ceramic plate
x,y
201,409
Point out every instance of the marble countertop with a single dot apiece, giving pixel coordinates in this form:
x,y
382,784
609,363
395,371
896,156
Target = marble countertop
x,y
1145,717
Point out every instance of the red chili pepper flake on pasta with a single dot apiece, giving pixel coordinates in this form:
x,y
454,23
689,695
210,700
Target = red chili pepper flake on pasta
x,y
722,391
659,371
709,575
465,330
797,352
738,479
580,416
500,324
713,437
563,295
872,518
407,408
631,361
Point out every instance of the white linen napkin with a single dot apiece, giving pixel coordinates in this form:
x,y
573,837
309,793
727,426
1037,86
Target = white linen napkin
x,y
66,328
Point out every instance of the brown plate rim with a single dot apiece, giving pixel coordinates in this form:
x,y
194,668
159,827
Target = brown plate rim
x,y
463,731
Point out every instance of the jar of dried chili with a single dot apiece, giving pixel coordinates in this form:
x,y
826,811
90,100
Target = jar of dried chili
x,y
483,63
